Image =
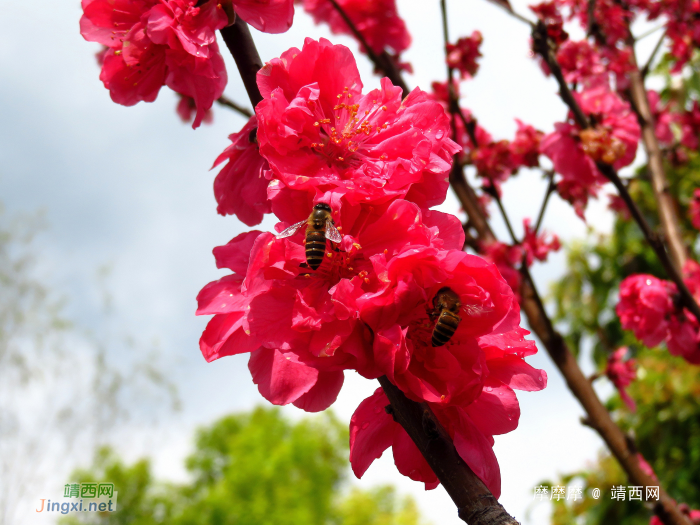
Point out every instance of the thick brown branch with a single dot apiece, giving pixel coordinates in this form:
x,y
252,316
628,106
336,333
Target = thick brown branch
x,y
382,61
659,182
242,47
475,503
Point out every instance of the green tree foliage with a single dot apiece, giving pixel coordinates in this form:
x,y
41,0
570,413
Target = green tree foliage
x,y
254,468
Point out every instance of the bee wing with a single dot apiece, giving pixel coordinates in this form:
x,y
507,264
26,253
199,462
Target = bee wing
x,y
473,310
332,232
291,230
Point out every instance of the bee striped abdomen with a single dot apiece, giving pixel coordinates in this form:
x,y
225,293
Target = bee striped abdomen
x,y
315,248
445,328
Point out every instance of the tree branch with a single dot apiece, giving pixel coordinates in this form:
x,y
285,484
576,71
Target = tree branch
x,y
475,503
383,61
657,47
672,264
550,189
505,5
227,102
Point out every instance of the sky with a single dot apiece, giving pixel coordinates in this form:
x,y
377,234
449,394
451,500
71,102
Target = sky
x,y
129,190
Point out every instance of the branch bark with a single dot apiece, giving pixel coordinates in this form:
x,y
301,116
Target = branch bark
x,y
475,503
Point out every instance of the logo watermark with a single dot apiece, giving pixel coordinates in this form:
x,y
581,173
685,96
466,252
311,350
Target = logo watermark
x,y
92,497
574,493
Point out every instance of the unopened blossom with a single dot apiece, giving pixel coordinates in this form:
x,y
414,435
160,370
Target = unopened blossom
x,y
463,54
621,373
645,307
378,21
240,187
471,426
302,326
538,246
321,134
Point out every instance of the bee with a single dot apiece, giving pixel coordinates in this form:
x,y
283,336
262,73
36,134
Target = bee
x,y
446,307
319,227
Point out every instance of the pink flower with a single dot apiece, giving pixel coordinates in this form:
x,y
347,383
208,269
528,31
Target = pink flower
x,y
621,374
525,148
549,13
694,209
268,16
690,126
494,162
240,187
321,134
612,139
399,314
538,246
507,259
293,318
472,426
377,20
186,108
463,55
152,44
645,307
662,118
579,61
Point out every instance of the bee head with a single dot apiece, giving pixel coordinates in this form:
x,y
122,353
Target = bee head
x,y
322,206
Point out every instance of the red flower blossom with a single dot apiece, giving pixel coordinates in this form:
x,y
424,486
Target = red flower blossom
x,y
186,109
645,307
494,162
321,134
621,373
612,139
472,427
662,118
463,55
579,61
377,20
549,13
240,187
293,319
525,148
538,246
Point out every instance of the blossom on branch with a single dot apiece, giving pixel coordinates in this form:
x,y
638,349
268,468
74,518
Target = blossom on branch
x,y
463,54
621,373
320,134
377,20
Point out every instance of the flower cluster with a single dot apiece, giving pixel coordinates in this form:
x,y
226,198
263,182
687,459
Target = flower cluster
x,y
611,139
378,21
391,293
621,373
152,43
650,308
463,54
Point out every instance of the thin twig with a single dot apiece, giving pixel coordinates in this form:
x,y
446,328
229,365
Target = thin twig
x,y
550,189
505,5
383,61
672,262
657,47
225,101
